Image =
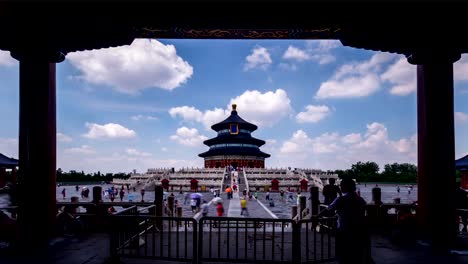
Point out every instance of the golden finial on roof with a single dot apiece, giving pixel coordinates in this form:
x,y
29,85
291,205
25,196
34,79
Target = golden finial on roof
x,y
234,107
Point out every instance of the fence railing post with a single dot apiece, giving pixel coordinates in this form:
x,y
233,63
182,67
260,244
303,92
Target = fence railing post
x,y
296,242
200,240
113,235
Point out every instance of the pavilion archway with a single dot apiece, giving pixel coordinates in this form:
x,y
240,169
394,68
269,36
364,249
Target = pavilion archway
x,y
60,28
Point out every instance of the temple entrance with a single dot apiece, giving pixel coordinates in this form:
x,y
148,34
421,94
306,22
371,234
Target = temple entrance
x,y
234,165
218,164
250,165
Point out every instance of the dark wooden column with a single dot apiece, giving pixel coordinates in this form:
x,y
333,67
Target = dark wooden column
x,y
37,149
436,147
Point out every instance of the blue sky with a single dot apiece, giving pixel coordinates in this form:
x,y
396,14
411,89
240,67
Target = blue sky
x,y
317,104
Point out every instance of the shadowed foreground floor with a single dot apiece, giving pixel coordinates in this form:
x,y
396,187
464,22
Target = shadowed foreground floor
x,y
95,249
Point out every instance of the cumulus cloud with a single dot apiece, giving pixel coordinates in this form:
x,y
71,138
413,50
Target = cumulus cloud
x,y
263,109
314,50
109,130
188,137
6,59
334,151
207,118
84,149
313,114
355,79
402,76
460,69
132,68
461,117
293,53
63,138
9,147
143,117
134,152
259,58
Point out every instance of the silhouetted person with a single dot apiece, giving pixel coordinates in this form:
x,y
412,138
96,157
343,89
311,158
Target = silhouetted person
x,y
330,191
352,238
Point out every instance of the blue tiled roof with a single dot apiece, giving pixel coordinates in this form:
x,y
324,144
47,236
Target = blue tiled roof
x,y
234,118
462,163
239,138
7,162
234,151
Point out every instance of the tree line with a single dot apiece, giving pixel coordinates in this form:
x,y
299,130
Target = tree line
x,y
75,176
369,172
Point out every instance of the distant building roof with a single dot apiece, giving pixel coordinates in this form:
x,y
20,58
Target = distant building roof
x,y
6,162
462,163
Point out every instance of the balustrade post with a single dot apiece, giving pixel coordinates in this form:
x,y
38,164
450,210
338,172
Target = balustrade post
x,y
302,205
158,202
377,195
314,200
293,211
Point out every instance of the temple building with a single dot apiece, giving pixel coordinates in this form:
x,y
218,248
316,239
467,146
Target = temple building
x,y
234,144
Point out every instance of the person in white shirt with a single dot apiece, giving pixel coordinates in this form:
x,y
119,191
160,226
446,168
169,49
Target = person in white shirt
x,y
204,208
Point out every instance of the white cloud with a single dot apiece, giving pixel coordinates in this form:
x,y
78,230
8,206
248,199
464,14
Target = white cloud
x,y
134,152
132,68
322,45
84,149
164,149
334,151
349,88
109,130
461,117
187,113
260,58
9,147
6,59
263,109
355,79
402,75
63,138
293,53
188,137
313,114
143,117
460,69
351,138
314,50
207,118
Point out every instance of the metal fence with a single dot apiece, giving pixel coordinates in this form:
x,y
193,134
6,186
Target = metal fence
x,y
172,238
223,239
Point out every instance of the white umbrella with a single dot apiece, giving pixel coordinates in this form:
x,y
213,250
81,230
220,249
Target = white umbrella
x,y
217,200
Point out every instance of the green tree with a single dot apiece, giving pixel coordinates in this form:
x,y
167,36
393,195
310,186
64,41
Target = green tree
x,y
365,172
396,172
